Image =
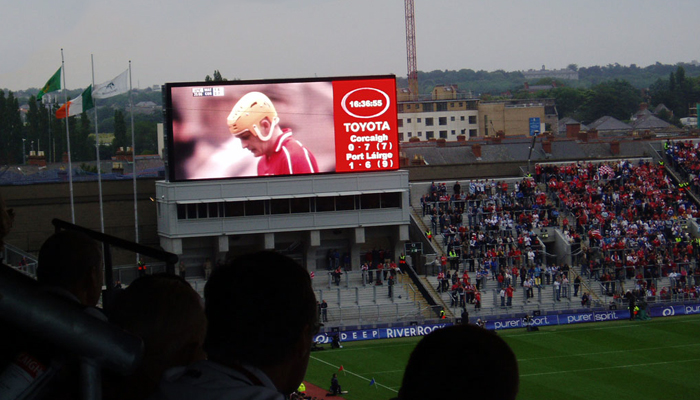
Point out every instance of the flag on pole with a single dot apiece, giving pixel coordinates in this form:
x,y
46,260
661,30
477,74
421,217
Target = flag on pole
x,y
342,369
113,87
372,382
77,105
313,275
52,85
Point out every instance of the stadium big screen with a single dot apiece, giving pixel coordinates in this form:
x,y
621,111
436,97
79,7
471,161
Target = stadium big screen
x,y
223,130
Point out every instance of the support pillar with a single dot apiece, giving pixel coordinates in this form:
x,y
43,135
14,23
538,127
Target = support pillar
x,y
311,249
269,241
355,253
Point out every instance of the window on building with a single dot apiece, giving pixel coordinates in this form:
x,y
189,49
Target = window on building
x,y
370,201
461,117
418,120
472,119
452,104
234,209
391,200
279,206
420,134
408,106
401,136
325,204
443,134
256,207
400,123
408,120
202,210
181,211
214,210
463,132
409,134
442,121
441,107
429,122
400,107
300,205
460,104
452,118
345,203
427,107
429,134
453,132
191,211
472,133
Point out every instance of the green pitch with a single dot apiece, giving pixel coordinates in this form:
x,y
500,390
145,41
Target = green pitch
x,y
658,359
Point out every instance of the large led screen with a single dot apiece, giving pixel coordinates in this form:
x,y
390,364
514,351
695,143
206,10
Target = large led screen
x,y
285,127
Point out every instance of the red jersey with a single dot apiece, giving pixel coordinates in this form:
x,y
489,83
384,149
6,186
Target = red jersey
x,y
290,157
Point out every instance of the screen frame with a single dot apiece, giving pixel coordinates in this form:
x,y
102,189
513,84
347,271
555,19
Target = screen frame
x,y
170,159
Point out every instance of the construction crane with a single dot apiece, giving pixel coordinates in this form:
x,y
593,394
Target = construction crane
x,y
411,50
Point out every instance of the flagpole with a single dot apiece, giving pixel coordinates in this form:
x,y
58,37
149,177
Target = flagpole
x,y
97,150
47,105
133,156
70,164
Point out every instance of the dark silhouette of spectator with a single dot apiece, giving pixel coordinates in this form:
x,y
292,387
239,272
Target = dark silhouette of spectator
x,y
168,315
70,269
496,376
7,217
70,264
258,341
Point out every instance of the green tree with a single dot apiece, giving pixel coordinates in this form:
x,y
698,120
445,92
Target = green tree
x,y
11,130
618,99
146,137
568,100
120,138
217,77
84,147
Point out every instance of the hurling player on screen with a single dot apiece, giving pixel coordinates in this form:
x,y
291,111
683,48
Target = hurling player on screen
x,y
254,121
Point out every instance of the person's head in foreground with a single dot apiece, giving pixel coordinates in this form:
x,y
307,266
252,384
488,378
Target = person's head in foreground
x,y
269,327
166,312
483,364
72,261
6,219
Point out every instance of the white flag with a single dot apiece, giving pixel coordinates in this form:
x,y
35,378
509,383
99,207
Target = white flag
x,y
113,87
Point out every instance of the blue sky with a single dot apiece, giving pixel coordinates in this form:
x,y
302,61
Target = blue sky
x,y
266,39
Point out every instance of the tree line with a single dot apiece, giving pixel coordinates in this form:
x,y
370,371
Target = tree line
x,y
37,124
613,90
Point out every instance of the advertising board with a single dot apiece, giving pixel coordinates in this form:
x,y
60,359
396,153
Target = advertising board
x,y
236,129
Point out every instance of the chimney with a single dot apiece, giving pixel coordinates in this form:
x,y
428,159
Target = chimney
x,y
476,149
615,147
583,136
572,130
37,159
547,146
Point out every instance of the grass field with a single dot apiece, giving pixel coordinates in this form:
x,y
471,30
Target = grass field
x,y
658,359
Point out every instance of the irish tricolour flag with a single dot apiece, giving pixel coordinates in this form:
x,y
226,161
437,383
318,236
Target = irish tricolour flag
x,y
77,105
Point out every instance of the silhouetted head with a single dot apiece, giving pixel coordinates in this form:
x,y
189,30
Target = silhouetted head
x,y
485,364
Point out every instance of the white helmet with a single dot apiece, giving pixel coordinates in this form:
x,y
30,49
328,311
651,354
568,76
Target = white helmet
x,y
248,112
